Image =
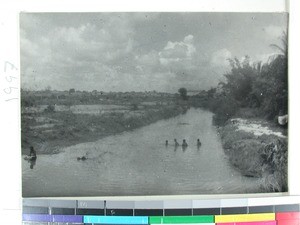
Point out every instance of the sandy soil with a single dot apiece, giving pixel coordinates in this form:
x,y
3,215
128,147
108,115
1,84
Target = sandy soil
x,y
255,127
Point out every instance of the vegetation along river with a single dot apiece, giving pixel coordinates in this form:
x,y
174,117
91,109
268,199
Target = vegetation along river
x,y
139,163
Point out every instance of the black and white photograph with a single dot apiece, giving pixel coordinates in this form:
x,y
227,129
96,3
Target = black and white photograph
x,y
153,103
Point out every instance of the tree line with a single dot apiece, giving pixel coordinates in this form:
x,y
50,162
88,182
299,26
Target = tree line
x,y
261,88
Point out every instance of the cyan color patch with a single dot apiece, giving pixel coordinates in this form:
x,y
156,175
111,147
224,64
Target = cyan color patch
x,y
116,219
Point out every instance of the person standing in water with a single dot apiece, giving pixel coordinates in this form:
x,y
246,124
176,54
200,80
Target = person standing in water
x,y
32,157
32,153
184,144
176,143
167,143
198,143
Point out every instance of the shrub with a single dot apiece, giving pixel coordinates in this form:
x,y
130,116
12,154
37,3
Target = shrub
x,y
50,109
224,108
274,157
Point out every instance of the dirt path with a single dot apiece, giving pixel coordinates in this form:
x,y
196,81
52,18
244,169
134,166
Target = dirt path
x,y
257,127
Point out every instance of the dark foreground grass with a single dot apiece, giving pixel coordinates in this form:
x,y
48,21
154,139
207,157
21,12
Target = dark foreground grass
x,y
257,156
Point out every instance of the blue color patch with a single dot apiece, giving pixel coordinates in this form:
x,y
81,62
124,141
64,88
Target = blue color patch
x,y
116,219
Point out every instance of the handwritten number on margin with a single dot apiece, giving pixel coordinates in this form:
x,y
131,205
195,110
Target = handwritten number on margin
x,y
12,66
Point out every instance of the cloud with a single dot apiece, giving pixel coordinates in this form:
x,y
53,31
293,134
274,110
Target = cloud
x,y
177,57
273,31
220,58
179,62
29,48
136,51
176,52
69,53
148,59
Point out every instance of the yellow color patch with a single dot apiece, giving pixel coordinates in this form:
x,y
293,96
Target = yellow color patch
x,y
245,217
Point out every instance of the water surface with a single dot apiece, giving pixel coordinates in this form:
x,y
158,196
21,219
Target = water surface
x,y
139,163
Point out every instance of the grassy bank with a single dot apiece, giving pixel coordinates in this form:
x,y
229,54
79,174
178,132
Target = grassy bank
x,y
49,130
257,149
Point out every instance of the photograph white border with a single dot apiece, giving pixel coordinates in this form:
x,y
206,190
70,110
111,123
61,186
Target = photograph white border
x,y
10,145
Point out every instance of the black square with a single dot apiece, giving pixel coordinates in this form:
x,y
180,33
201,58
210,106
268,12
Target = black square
x,y
178,212
119,212
148,212
207,211
63,211
90,211
234,210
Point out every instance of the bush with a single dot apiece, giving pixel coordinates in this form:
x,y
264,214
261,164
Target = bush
x,y
50,109
260,86
275,158
223,108
134,106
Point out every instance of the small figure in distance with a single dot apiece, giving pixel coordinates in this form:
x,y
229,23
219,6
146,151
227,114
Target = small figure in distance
x,y
198,143
31,158
184,144
83,158
32,154
167,143
176,143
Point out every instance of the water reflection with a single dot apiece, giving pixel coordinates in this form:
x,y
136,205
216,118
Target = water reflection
x,y
175,147
31,161
183,148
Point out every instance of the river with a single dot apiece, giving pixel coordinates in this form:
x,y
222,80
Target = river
x,y
139,163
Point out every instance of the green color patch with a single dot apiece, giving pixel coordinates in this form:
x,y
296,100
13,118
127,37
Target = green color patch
x,y
180,219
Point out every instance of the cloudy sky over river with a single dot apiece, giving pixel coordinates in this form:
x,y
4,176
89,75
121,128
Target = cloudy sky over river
x,y
140,51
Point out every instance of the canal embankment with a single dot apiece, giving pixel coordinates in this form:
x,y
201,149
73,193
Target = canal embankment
x,y
49,130
257,148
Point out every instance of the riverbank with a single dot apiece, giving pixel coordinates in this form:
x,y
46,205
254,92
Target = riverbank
x,y
257,148
50,130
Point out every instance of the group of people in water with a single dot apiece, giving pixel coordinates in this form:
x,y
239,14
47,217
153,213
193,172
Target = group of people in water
x,y
31,158
184,143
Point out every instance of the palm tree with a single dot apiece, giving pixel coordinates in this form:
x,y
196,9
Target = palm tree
x,y
284,42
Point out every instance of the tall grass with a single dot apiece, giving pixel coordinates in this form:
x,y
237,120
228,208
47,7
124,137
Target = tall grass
x,y
275,165
265,157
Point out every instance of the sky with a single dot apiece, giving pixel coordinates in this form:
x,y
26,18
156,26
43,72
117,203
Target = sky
x,y
141,51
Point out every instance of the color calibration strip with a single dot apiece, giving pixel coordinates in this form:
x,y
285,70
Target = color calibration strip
x,y
283,211
289,218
